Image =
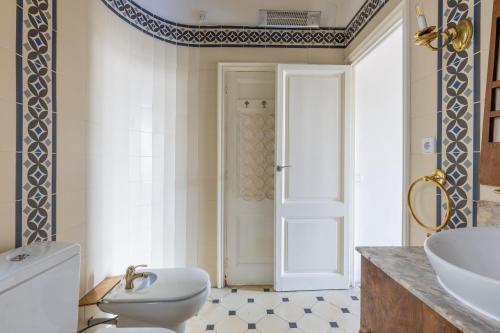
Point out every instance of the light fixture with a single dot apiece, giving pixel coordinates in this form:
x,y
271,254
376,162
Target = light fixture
x,y
459,35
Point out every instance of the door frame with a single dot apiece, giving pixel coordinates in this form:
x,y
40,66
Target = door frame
x,y
223,69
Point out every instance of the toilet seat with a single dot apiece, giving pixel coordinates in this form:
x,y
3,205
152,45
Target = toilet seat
x,y
135,330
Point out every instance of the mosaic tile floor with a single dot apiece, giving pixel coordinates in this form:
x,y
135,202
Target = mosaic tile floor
x,y
260,310
257,309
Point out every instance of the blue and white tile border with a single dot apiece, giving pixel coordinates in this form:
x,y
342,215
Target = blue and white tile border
x,y
242,36
458,120
36,121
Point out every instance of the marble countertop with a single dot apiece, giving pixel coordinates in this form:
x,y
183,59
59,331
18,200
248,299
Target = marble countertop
x,y
409,267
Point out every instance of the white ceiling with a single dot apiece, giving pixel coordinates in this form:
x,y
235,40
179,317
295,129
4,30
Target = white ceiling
x,y
335,13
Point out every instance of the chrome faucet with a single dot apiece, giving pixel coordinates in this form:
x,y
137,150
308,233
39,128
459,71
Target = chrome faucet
x,y
131,275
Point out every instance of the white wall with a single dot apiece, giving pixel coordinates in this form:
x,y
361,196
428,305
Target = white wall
x,y
379,145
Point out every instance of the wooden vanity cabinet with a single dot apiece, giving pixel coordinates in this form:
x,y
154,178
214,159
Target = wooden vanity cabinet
x,y
387,307
489,168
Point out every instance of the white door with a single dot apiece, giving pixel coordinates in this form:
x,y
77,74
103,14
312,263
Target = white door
x,y
249,177
312,178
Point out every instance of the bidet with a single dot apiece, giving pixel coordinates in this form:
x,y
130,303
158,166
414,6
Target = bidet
x,y
165,298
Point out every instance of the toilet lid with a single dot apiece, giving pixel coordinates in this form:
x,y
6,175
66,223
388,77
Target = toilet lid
x,y
171,284
135,330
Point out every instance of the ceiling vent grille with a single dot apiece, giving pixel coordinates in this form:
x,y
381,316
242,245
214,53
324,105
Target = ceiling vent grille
x,y
289,18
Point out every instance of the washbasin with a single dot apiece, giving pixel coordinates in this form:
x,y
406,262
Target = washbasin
x,y
467,266
142,286
145,282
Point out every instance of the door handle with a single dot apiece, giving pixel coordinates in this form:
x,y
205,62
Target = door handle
x,y
280,168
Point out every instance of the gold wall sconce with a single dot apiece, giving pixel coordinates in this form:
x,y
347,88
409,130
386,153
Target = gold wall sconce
x,y
460,35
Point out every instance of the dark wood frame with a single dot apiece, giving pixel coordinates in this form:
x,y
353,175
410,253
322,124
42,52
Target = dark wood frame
x,y
489,171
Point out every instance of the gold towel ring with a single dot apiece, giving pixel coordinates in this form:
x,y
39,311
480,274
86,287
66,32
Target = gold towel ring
x,y
437,178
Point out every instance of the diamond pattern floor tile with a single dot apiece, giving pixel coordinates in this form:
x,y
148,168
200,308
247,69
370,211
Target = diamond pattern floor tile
x,y
212,314
261,310
251,312
234,301
303,299
312,323
231,325
349,322
272,324
289,311
326,311
228,310
269,300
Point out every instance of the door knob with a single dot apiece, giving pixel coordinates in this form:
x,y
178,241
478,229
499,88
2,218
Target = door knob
x,y
280,168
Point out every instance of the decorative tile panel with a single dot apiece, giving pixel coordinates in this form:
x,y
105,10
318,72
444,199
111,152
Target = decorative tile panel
x,y
256,150
36,119
458,115
242,36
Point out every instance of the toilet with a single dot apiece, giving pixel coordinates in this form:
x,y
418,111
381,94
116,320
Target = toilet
x,y
39,290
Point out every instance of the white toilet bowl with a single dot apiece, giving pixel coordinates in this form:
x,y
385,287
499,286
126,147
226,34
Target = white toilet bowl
x,y
168,298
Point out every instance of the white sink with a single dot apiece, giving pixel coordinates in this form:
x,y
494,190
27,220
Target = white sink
x,y
144,283
467,264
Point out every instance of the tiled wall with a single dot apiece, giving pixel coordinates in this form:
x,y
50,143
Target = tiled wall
x,y
72,117
42,92
459,112
196,136
132,148
423,119
430,75
36,140
449,104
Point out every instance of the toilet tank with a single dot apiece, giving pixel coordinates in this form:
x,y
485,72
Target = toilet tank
x,y
39,288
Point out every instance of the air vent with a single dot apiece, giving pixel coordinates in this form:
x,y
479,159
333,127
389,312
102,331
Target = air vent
x,y
289,18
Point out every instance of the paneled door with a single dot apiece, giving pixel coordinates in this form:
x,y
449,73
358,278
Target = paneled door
x,y
249,125
312,177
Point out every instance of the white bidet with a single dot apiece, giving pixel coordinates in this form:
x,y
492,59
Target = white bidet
x,y
164,298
